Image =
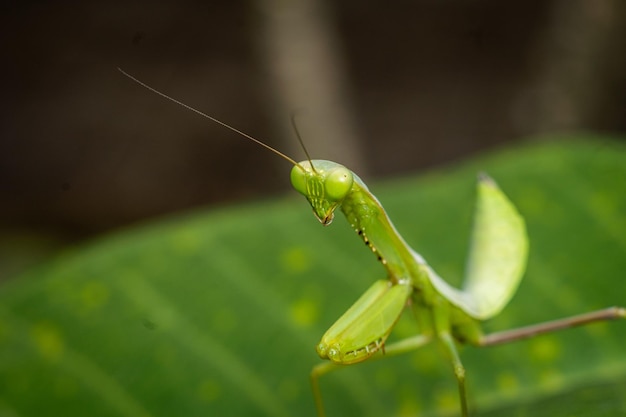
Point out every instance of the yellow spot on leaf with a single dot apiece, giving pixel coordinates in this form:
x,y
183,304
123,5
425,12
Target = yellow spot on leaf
x,y
603,205
408,406
551,379
447,400
508,383
209,391
93,295
295,260
186,241
48,341
304,312
545,349
597,330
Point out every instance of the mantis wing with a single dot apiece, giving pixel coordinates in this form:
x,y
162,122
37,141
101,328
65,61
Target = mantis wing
x,y
498,251
497,257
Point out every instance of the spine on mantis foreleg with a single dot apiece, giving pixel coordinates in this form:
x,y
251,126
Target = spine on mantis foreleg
x,y
369,219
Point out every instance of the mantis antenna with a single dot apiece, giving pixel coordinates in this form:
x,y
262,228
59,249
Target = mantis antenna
x,y
306,152
213,119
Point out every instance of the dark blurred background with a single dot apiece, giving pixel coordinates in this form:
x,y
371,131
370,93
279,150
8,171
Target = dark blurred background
x,y
387,88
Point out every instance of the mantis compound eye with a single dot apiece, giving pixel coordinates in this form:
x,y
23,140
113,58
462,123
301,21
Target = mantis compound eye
x,y
299,177
338,183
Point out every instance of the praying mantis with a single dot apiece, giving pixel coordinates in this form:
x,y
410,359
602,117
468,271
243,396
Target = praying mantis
x,y
496,263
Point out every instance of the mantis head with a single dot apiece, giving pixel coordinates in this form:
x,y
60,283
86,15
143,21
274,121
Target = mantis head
x,y
325,184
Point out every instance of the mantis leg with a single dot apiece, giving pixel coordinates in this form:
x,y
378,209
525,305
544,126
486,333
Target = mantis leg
x,y
611,313
459,370
441,321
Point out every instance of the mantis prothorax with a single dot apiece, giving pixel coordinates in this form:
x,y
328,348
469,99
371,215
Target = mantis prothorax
x,y
496,263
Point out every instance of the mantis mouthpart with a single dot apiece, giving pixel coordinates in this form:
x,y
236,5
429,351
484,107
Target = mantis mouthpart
x,y
496,263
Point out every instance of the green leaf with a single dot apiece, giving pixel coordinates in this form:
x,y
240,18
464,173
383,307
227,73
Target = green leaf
x,y
218,313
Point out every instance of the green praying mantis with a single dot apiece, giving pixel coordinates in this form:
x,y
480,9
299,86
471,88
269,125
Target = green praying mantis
x,y
496,263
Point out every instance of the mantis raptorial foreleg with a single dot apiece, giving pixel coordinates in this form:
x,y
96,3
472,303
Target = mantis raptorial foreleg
x,y
496,264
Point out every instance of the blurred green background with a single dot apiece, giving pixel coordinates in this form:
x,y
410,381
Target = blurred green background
x,y
114,301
